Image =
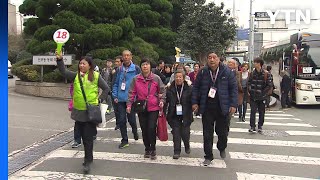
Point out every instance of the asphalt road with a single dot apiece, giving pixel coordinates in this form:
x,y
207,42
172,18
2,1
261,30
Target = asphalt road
x,y
33,119
289,148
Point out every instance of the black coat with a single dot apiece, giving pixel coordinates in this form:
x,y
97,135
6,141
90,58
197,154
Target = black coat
x,y
258,85
172,100
285,84
226,84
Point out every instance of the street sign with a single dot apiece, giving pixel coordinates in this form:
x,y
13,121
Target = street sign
x,y
50,60
181,59
261,15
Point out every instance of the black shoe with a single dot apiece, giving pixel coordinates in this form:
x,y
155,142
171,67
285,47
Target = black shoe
x,y
223,154
86,168
259,129
147,154
243,119
187,150
206,162
75,145
240,119
136,136
176,156
252,130
153,155
117,127
123,145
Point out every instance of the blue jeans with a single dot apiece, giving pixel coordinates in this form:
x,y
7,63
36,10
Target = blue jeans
x,y
76,131
243,107
122,121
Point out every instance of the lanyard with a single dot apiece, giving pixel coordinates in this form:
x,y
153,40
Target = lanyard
x,y
125,69
179,95
214,80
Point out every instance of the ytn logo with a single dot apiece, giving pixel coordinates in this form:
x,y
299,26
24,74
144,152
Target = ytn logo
x,y
298,13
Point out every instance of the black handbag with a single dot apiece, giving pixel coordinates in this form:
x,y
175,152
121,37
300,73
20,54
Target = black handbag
x,y
141,105
94,112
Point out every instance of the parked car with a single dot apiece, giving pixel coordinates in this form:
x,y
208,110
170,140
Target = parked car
x,y
10,75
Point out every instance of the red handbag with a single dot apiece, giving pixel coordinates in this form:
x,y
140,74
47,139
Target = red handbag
x,y
162,131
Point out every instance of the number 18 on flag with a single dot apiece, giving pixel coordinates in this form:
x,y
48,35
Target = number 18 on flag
x,y
61,36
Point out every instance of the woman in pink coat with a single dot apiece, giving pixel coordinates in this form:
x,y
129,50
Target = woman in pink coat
x,y
147,87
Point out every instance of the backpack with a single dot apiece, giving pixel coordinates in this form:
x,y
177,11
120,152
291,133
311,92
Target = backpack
x,y
270,91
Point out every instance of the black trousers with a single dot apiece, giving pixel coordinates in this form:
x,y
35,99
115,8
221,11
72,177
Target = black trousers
x,y
148,123
213,119
260,106
285,100
180,131
87,131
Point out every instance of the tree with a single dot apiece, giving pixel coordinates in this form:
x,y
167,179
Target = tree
x,y
205,27
102,27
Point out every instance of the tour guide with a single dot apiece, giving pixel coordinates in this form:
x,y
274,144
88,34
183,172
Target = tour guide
x,y
92,81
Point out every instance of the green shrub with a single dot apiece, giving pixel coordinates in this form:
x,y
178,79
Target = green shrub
x,y
12,56
28,73
23,55
54,76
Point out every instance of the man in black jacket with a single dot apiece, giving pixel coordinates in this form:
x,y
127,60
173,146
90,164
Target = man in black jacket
x,y
259,84
215,96
285,86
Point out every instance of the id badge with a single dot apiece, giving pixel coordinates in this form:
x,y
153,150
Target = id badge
x,y
179,109
123,86
212,92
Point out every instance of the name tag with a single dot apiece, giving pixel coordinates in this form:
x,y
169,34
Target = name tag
x,y
179,109
212,92
123,86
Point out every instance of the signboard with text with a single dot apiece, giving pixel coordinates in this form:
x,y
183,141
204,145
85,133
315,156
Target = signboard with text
x,y
50,60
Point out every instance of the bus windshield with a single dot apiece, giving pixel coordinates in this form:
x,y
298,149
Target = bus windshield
x,y
314,57
310,57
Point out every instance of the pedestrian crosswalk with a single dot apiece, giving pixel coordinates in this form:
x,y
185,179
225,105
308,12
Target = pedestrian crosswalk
x,y
292,152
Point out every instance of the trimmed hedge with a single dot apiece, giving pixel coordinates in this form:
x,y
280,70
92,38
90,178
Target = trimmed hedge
x,y
27,72
31,73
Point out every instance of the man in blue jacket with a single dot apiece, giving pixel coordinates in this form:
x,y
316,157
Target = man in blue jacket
x,y
124,76
215,96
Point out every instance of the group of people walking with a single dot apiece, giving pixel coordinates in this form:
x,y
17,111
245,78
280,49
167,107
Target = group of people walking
x,y
211,91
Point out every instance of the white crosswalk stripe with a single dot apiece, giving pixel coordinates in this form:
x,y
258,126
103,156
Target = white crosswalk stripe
x,y
230,141
254,176
41,175
238,139
233,130
275,158
281,124
125,157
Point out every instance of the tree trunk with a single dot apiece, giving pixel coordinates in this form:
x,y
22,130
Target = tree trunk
x,y
202,57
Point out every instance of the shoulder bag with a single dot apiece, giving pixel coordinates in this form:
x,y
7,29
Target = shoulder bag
x,y
141,105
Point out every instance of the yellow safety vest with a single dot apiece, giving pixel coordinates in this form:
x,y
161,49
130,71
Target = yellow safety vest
x,y
91,90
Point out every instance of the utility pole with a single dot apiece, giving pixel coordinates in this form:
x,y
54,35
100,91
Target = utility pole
x,y
251,37
234,17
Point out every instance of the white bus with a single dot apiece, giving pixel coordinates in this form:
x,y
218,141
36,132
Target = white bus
x,y
299,55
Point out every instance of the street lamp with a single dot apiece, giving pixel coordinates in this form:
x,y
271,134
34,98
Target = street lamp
x,y
251,37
